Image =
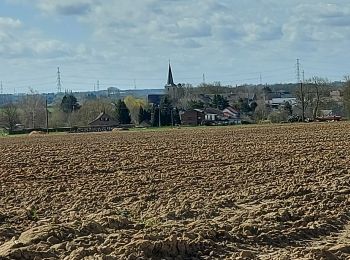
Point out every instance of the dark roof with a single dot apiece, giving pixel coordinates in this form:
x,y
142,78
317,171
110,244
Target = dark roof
x,y
104,119
155,98
211,110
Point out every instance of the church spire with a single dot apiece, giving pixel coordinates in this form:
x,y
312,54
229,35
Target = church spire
x,y
170,81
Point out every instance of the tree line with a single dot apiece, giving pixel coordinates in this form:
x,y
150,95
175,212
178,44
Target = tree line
x,y
31,112
312,96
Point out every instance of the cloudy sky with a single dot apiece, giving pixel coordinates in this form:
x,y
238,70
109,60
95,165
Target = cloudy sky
x,y
123,43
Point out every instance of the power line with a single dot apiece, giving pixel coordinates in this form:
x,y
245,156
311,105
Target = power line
x,y
29,79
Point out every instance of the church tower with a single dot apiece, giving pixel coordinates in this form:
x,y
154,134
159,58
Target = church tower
x,y
170,81
171,89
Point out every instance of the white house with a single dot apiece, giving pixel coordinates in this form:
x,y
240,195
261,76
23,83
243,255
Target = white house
x,y
277,102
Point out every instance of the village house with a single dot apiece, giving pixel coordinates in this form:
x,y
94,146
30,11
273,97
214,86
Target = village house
x,y
232,115
335,95
213,115
278,102
192,117
103,120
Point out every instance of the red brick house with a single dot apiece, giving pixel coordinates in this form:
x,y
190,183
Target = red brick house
x,y
192,117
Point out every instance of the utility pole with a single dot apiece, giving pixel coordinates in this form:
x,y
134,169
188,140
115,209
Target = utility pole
x,y
302,96
260,79
59,84
303,76
203,78
302,102
159,123
134,87
33,118
47,117
298,70
98,85
172,117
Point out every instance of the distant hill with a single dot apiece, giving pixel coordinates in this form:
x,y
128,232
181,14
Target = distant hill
x,y
84,95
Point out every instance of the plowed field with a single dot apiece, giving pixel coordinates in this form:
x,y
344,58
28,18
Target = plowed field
x,y
268,192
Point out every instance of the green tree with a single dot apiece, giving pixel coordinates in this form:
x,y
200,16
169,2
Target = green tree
x,y
141,115
220,102
144,115
253,105
176,116
122,112
193,104
166,111
69,103
243,105
155,116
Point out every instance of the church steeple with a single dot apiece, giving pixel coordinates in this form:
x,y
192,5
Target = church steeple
x,y
170,81
171,89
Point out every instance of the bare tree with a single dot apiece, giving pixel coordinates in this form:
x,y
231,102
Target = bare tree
x,y
262,111
89,110
9,116
346,95
33,110
319,87
310,94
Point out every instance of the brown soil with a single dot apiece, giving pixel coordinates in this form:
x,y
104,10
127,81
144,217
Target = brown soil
x,y
269,192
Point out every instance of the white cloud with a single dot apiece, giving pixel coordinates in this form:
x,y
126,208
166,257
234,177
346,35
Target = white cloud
x,y
9,23
66,7
18,41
